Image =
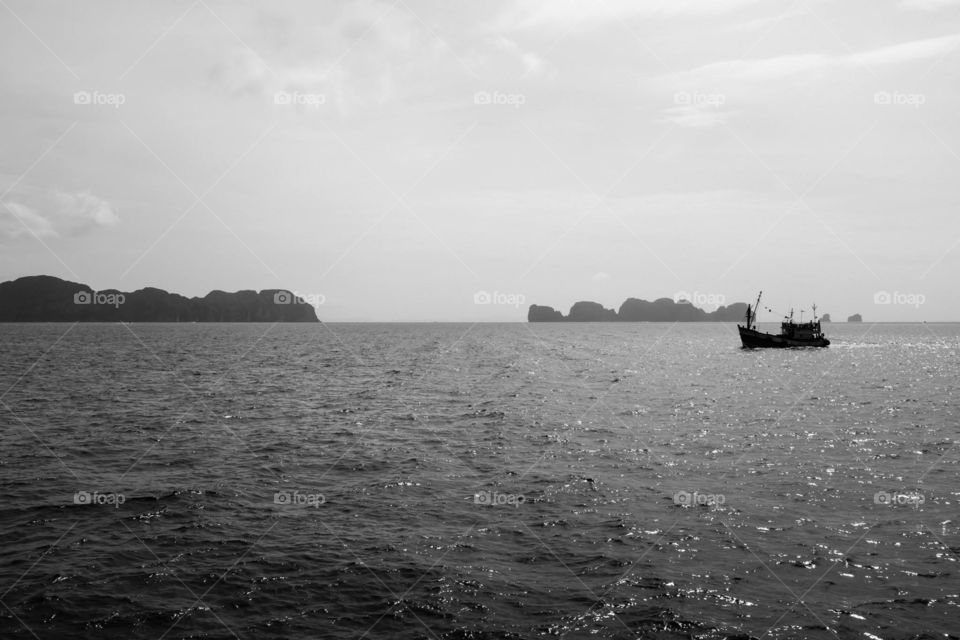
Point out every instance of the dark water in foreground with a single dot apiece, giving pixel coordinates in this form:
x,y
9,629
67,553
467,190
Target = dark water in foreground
x,y
487,481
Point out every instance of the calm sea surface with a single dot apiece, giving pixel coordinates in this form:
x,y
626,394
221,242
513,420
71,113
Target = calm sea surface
x,y
485,481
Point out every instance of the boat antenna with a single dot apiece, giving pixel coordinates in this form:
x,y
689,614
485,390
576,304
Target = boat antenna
x,y
814,311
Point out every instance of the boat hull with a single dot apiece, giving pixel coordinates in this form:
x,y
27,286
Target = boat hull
x,y
753,339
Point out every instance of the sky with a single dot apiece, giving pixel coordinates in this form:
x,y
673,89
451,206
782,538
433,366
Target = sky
x,y
440,161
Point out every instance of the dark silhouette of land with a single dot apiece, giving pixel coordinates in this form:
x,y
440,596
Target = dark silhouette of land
x,y
635,310
50,299
855,318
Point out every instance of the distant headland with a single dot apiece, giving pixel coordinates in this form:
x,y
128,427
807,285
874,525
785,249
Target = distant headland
x,y
50,299
635,310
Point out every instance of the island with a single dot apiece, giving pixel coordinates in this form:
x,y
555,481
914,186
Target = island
x,y
825,318
855,318
51,299
636,310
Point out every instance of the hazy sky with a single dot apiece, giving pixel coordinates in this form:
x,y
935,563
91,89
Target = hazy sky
x,y
395,158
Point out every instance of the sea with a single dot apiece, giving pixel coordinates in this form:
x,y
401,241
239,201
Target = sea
x,y
455,481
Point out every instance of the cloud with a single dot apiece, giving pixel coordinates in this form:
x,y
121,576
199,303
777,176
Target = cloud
x,y
763,69
242,72
695,116
532,63
354,55
760,69
567,14
82,210
740,81
764,23
907,51
17,219
928,5
51,212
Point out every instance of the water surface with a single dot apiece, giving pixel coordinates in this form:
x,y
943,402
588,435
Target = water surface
x,y
476,481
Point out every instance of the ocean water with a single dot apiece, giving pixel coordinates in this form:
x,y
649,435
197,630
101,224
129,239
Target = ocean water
x,y
477,481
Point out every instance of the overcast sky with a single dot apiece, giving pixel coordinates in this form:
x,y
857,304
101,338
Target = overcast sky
x,y
392,159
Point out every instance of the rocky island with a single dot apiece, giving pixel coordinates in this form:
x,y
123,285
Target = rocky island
x,y
636,310
855,318
50,299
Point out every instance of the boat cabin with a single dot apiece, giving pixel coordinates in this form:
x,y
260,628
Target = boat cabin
x,y
801,331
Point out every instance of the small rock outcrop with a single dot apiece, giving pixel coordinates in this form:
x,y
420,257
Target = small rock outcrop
x,y
637,310
590,312
538,313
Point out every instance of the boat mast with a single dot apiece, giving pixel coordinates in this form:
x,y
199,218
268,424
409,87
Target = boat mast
x,y
756,310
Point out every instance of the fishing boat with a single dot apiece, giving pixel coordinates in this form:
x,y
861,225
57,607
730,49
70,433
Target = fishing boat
x,y
792,334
